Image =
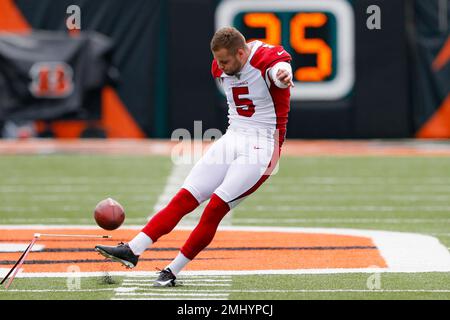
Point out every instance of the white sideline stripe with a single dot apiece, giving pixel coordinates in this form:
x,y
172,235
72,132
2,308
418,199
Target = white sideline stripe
x,y
184,280
174,298
19,247
181,277
239,220
345,208
264,208
123,289
227,272
174,294
403,252
174,182
197,284
341,220
56,290
227,292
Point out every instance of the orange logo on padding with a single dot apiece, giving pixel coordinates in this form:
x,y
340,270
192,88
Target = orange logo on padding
x,y
51,80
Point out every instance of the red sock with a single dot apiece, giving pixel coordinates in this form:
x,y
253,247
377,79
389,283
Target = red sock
x,y
206,229
166,219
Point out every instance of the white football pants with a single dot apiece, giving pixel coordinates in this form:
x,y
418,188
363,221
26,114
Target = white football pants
x,y
234,166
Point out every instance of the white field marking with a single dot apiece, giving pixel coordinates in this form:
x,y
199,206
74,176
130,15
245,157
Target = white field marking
x,y
403,252
305,189
63,208
227,272
134,284
340,220
4,272
260,208
343,198
364,180
174,294
174,182
304,179
184,284
64,220
345,208
235,220
56,290
72,190
19,247
126,281
127,289
242,220
172,298
199,292
76,184
71,197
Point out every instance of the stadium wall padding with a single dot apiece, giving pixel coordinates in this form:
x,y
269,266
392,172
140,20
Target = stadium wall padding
x,y
163,57
430,52
134,27
377,107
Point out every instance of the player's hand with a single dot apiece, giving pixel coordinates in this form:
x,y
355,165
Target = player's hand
x,y
285,78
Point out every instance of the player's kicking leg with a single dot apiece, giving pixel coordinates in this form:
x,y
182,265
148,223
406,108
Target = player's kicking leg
x,y
208,173
162,223
244,175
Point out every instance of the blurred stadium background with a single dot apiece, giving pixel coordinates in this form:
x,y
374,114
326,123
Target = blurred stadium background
x,y
134,80
137,70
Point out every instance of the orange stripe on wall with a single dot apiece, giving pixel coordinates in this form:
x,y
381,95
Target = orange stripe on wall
x,y
11,19
438,126
443,56
116,119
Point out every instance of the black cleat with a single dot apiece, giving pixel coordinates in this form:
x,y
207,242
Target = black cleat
x,y
122,253
165,279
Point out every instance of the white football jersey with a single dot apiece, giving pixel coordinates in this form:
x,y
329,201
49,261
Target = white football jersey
x,y
254,101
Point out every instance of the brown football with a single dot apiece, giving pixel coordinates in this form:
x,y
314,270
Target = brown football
x,y
109,214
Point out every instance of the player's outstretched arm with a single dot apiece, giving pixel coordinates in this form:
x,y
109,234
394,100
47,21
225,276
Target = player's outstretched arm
x,y
281,74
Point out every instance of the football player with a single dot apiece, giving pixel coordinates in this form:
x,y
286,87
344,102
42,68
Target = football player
x,y
256,79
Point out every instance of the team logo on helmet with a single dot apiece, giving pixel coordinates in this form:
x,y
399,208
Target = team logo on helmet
x,y
51,80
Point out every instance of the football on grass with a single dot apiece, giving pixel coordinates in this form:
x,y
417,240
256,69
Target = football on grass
x,y
109,214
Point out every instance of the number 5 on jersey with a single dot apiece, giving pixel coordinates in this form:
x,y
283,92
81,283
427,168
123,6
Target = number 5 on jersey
x,y
244,107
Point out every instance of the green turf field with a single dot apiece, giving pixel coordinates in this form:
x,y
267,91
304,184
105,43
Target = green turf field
x,y
408,194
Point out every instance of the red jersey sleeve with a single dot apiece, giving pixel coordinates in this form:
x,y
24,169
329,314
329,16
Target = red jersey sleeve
x,y
267,56
215,71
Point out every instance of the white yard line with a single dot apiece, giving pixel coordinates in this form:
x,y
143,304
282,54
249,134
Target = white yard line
x,y
55,290
319,208
18,247
339,220
135,287
192,279
184,284
298,198
223,292
171,298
